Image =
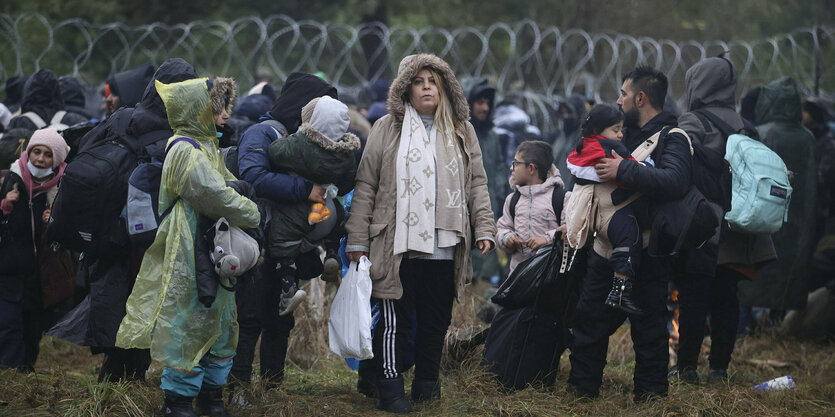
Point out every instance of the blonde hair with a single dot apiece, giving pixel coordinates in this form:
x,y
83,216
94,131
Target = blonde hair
x,y
444,116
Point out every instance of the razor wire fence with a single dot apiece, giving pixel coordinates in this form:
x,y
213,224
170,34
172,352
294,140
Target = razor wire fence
x,y
532,64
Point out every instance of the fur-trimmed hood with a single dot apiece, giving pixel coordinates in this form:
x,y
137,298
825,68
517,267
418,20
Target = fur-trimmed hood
x,y
347,143
408,69
222,86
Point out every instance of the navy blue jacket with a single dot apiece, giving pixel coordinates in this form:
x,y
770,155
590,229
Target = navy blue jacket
x,y
254,167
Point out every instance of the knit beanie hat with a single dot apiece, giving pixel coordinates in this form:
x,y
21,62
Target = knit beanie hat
x,y
327,115
50,138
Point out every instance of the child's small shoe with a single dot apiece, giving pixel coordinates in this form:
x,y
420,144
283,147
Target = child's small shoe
x,y
332,266
290,299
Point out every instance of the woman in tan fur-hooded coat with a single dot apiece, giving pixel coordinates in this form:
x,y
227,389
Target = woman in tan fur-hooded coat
x,y
420,204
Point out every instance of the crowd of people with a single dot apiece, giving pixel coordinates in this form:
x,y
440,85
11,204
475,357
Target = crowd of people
x,y
437,181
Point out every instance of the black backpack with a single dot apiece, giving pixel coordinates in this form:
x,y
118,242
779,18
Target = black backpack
x,y
713,171
692,220
86,213
12,143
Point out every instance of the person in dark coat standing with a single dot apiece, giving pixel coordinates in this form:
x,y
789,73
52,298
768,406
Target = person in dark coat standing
x,y
258,312
42,99
641,99
96,320
783,285
573,110
25,200
125,89
705,288
481,97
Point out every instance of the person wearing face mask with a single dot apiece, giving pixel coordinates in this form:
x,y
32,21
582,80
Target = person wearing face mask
x,y
28,190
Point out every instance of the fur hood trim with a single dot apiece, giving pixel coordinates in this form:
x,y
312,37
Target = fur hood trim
x,y
347,143
223,87
408,69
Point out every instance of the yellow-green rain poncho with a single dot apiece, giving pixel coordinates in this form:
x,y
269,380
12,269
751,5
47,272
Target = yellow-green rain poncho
x,y
163,312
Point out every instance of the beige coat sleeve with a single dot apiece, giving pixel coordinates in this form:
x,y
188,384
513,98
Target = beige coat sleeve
x,y
478,196
365,189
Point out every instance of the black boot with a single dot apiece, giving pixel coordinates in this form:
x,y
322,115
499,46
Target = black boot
x,y
210,403
177,406
425,390
621,296
367,379
392,396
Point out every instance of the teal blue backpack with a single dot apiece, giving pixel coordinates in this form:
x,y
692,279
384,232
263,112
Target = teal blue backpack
x,y
760,192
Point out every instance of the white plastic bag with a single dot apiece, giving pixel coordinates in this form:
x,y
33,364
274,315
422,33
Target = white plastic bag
x,y
349,324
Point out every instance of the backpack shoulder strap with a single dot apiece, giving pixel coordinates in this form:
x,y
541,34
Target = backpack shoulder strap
x,y
167,211
513,201
647,147
682,133
557,201
665,131
34,118
720,124
182,139
57,117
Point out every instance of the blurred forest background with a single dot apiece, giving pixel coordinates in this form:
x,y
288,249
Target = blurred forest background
x,y
665,19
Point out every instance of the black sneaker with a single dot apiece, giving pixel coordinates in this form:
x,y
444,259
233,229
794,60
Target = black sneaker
x,y
291,298
686,375
717,375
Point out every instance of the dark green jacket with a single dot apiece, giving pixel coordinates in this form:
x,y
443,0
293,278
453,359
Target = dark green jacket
x,y
783,284
315,157
311,155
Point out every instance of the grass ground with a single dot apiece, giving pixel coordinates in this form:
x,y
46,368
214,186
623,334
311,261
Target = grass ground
x,y
319,385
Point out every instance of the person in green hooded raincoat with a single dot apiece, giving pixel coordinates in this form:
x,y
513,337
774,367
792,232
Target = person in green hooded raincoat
x,y
783,284
195,343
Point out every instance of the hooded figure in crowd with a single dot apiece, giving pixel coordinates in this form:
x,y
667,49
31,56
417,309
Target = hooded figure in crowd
x,y
481,98
14,92
574,110
783,284
259,301
96,320
707,278
124,89
41,101
195,343
73,95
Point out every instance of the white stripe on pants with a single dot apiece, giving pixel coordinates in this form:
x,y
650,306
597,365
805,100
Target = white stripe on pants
x,y
389,343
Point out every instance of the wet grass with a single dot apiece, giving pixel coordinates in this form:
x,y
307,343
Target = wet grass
x,y
321,385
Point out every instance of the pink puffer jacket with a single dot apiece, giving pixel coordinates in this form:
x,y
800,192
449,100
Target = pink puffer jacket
x,y
534,217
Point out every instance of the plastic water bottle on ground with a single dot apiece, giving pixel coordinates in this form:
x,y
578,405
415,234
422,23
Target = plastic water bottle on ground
x,y
776,384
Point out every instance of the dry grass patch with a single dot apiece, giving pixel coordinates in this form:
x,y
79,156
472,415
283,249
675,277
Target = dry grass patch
x,y
322,385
